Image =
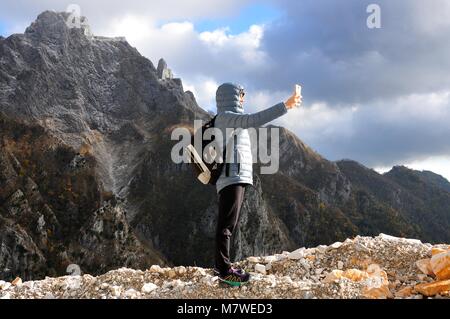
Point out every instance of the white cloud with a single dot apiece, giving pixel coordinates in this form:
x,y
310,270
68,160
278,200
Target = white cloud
x,y
202,59
101,12
204,90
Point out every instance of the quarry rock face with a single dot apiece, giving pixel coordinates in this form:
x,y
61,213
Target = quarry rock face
x,y
86,176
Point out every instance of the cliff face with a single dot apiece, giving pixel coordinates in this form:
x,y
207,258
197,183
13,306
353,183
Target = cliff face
x,y
55,212
86,175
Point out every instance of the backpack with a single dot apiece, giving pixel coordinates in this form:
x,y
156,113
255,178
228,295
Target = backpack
x,y
208,167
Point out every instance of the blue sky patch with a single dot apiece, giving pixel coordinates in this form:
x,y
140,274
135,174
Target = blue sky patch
x,y
252,14
237,23
2,29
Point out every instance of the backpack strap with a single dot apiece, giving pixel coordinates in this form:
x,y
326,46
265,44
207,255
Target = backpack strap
x,y
227,165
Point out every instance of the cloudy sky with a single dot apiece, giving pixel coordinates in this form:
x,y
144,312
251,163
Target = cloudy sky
x,y
378,96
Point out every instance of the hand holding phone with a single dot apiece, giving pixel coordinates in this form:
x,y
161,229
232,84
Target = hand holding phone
x,y
296,99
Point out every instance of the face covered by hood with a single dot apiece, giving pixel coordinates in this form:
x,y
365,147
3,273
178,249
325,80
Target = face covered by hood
x,y
227,98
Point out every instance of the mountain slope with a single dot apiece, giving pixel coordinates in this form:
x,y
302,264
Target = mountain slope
x,y
419,203
54,211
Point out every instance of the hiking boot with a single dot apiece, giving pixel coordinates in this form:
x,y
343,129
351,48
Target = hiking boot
x,y
216,271
235,277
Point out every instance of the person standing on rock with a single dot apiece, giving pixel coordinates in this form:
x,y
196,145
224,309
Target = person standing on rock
x,y
237,174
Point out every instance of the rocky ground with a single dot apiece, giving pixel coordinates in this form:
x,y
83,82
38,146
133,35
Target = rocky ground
x,y
363,267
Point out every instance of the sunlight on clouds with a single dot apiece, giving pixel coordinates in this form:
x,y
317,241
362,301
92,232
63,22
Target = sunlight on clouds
x,y
217,38
319,122
246,44
133,28
183,47
431,106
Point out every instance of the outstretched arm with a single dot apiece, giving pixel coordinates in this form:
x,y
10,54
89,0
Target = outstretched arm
x,y
236,120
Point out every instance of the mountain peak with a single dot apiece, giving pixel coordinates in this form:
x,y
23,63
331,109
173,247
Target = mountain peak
x,y
57,25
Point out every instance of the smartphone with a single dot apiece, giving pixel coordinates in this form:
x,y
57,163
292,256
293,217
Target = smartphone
x,y
298,89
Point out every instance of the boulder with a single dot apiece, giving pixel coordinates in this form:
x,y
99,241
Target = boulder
x,y
351,274
260,268
404,292
424,266
438,250
434,288
440,265
297,254
155,269
253,259
336,245
377,285
148,287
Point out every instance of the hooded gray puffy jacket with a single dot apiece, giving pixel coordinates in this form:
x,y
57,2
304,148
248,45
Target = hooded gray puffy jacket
x,y
230,114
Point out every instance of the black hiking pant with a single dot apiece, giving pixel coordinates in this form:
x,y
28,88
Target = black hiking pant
x,y
230,202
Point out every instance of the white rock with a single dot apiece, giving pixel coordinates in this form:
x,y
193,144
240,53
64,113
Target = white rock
x,y
305,264
297,254
148,287
340,264
115,291
280,257
131,293
413,241
268,266
319,271
398,239
308,295
254,260
181,270
270,259
207,280
48,295
29,284
388,237
260,268
155,268
201,271
6,296
321,249
336,245
361,248
5,286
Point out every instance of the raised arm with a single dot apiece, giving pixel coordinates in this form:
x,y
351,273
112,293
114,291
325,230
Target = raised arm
x,y
258,119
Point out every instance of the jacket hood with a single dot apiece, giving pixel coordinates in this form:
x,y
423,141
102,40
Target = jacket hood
x,y
227,98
